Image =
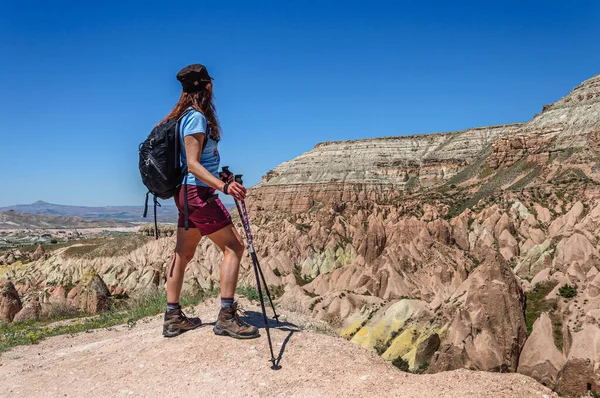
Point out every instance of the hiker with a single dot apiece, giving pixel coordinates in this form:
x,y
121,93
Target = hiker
x,y
207,216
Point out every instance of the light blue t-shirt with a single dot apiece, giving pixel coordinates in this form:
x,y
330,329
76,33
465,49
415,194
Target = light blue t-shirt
x,y
193,123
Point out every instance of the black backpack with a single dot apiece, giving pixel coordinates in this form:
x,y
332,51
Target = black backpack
x,y
160,164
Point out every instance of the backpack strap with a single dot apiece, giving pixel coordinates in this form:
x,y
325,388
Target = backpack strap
x,y
185,171
156,204
185,206
146,205
178,139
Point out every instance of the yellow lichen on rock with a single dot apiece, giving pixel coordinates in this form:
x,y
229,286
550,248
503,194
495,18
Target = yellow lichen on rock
x,y
326,261
382,328
17,265
401,345
88,275
405,345
351,327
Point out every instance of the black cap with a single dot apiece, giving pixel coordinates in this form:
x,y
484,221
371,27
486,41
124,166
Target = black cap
x,y
193,77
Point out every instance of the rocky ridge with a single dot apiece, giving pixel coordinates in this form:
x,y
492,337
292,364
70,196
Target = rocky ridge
x,y
570,124
373,169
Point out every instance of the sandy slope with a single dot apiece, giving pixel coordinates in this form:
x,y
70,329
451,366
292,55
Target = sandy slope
x,y
140,362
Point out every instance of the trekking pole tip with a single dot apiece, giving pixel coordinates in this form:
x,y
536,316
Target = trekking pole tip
x,y
275,366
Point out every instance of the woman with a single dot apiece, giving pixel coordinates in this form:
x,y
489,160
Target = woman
x,y
200,133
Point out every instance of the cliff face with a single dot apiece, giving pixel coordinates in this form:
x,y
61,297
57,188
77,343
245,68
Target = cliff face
x,y
568,125
374,169
387,160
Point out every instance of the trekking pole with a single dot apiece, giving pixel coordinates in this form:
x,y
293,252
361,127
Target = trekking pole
x,y
243,214
241,206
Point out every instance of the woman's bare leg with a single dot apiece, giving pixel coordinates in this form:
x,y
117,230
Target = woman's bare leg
x,y
187,241
230,242
228,322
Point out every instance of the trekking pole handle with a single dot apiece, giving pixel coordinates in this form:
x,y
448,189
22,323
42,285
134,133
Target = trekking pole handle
x,y
238,179
225,169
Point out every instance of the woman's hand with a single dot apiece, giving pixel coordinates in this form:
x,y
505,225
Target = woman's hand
x,y
236,190
226,178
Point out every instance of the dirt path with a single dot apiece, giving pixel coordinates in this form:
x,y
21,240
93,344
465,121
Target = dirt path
x,y
139,362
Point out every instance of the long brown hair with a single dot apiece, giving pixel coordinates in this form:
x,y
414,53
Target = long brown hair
x,y
202,101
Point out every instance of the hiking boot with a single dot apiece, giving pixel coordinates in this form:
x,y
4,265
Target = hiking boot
x,y
176,323
229,324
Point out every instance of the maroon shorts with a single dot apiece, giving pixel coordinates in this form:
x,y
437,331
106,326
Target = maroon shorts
x,y
207,215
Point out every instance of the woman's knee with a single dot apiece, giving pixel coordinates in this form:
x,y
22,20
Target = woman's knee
x,y
235,248
187,242
185,256
239,249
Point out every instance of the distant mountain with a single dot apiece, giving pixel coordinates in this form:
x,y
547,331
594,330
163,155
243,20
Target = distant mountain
x,y
167,212
15,220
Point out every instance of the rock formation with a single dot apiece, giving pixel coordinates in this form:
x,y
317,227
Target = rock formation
x,y
38,253
488,328
91,294
30,312
540,358
577,377
10,303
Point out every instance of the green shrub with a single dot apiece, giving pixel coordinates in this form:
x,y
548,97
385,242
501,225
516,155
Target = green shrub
x,y
401,364
301,280
567,291
314,303
380,347
251,293
248,291
537,303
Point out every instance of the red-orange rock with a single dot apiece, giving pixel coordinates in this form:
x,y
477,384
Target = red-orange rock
x,y
93,295
10,303
30,312
58,295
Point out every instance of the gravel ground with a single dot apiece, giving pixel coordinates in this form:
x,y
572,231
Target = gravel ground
x,y
139,362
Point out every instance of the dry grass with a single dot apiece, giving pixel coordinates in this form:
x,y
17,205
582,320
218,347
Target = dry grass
x,y
107,247
66,321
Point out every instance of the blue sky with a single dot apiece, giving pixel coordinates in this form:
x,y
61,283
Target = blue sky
x,y
82,83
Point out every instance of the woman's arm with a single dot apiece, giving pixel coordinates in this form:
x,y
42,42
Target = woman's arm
x,y
193,144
